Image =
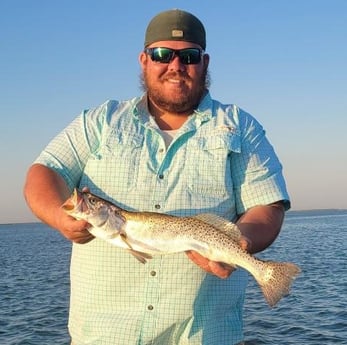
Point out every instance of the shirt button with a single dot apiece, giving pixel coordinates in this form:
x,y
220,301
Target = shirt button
x,y
161,150
153,273
157,206
150,307
161,176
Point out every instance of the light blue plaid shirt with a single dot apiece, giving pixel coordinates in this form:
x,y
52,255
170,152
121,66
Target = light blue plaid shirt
x,y
219,162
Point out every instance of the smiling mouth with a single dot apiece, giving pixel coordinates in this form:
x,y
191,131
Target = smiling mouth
x,y
175,78
175,81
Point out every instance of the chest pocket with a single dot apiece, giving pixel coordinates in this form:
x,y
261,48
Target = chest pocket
x,y
115,165
209,164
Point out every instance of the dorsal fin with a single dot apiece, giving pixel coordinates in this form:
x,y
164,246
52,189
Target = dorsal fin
x,y
222,224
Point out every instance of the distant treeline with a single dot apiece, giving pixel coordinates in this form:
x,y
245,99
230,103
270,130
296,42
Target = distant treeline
x,y
317,212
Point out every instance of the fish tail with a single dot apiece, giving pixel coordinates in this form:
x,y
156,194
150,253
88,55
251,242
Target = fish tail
x,y
276,280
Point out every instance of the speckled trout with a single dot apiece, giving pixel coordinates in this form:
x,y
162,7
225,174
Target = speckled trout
x,y
145,234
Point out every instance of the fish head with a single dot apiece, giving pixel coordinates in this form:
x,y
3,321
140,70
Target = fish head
x,y
73,203
87,206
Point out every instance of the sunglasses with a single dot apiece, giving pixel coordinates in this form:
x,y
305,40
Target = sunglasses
x,y
187,56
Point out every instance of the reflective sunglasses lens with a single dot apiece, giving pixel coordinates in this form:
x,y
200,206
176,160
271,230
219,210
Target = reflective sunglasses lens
x,y
163,55
189,56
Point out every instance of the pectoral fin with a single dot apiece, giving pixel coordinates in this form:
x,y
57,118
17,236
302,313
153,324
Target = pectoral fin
x,y
124,238
142,257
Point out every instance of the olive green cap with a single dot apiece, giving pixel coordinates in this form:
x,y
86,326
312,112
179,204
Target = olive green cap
x,y
175,25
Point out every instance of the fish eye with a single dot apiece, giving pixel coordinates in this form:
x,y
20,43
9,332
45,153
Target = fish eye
x,y
92,200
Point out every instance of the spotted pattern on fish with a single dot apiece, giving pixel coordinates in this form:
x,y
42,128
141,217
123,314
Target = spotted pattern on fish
x,y
145,234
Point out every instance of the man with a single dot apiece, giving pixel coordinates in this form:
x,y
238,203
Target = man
x,y
174,150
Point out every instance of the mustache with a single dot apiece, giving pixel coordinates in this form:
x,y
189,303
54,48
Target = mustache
x,y
176,75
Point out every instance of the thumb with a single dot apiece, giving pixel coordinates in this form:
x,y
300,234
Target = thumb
x,y
245,244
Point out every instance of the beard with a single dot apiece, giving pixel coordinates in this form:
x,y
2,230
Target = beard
x,y
186,102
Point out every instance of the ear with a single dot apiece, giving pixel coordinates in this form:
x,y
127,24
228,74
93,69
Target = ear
x,y
143,59
206,59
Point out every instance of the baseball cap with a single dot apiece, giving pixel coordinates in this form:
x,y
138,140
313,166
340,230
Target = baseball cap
x,y
175,25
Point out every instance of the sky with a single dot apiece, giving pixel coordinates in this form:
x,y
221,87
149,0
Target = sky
x,y
285,62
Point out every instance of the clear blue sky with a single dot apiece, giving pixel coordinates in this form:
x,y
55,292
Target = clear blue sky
x,y
285,62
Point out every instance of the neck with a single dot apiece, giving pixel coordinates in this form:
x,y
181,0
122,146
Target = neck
x,y
167,120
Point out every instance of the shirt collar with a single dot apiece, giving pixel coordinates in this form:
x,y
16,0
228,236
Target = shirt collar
x,y
204,109
140,106
203,112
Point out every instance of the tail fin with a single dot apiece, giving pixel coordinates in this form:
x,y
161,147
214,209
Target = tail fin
x,y
277,279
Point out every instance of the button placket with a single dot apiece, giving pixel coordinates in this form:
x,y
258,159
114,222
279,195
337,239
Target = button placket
x,y
153,283
151,299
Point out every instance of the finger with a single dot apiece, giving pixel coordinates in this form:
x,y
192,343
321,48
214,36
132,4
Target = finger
x,y
83,237
84,240
245,243
199,260
221,270
79,234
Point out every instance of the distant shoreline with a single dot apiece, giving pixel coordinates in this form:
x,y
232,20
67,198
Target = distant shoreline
x,y
309,212
313,212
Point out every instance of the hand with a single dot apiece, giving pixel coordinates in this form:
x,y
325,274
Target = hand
x,y
74,230
219,269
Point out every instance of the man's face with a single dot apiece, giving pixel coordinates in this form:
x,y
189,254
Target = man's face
x,y
174,87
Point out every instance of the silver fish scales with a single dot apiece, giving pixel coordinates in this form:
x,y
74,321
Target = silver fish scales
x,y
145,234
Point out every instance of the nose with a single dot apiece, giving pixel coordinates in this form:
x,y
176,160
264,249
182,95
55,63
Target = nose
x,y
176,64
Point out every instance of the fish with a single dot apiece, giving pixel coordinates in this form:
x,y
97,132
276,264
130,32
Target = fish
x,y
146,234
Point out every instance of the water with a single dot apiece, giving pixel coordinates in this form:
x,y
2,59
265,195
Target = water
x,y
34,285
316,311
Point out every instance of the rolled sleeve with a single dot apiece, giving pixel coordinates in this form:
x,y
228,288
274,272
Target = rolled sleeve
x,y
257,171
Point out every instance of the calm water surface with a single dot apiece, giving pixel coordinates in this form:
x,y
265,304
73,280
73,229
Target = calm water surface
x,y
34,285
316,311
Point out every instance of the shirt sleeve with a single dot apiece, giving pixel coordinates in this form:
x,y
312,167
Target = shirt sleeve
x,y
257,171
69,151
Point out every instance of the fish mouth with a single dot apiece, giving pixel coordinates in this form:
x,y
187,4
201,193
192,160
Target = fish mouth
x,y
74,202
